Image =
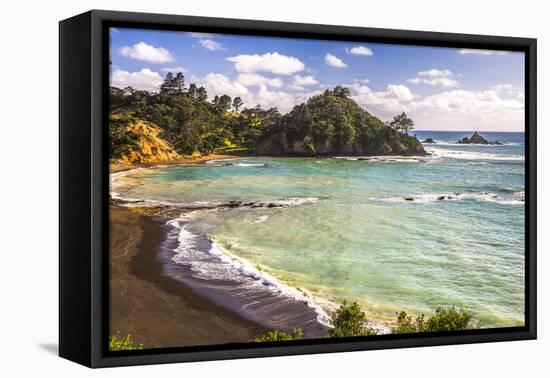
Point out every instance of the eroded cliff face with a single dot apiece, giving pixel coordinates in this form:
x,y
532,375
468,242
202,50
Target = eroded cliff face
x,y
148,146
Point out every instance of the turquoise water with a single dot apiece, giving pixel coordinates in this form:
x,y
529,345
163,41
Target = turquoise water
x,y
391,233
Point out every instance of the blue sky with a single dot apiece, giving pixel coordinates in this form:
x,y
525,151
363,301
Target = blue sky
x,y
440,88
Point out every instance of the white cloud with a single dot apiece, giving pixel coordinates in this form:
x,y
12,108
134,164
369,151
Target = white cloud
x,y
283,101
334,61
211,45
360,50
481,52
509,90
143,80
399,92
272,62
173,69
468,110
219,84
201,35
435,77
382,103
436,73
365,81
250,79
148,53
305,80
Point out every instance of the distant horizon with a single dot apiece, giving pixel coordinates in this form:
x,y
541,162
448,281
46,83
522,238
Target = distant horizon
x,y
467,131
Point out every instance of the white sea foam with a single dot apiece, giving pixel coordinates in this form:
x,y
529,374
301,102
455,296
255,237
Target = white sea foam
x,y
449,196
471,155
220,161
384,159
261,219
217,263
443,143
252,165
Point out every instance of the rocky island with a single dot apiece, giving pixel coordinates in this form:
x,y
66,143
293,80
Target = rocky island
x,y
476,138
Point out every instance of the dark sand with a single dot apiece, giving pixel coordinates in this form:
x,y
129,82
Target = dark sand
x,y
155,309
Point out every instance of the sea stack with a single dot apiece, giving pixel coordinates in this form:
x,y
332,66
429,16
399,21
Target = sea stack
x,y
476,139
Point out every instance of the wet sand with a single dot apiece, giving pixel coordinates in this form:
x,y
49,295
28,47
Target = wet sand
x,y
155,309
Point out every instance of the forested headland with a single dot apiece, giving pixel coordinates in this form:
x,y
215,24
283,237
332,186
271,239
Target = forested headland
x,y
180,120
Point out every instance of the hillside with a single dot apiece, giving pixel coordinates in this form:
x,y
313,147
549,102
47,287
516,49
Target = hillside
x,y
179,120
332,123
137,141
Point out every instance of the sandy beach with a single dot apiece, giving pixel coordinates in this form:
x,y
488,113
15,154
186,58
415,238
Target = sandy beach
x,y
156,310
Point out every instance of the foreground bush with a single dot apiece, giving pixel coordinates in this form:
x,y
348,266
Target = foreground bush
x,y
297,334
349,320
118,342
444,319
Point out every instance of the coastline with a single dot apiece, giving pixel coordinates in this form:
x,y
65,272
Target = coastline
x,y
272,311
121,167
178,220
155,309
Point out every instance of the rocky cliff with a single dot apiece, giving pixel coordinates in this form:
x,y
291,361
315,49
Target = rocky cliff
x,y
136,141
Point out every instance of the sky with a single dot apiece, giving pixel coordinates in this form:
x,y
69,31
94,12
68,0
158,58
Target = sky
x,y
439,88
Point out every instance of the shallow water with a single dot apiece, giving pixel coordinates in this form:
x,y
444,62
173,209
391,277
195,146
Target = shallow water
x,y
391,233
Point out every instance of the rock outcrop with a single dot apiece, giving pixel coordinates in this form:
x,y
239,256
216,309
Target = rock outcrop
x,y
147,145
477,139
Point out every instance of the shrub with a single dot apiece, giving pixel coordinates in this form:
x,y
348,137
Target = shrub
x,y
406,323
448,320
117,342
296,334
349,320
444,319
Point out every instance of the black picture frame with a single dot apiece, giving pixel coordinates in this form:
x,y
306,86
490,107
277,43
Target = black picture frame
x,y
83,182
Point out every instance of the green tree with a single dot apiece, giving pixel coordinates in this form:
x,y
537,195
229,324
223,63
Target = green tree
x,y
448,320
349,320
172,84
202,95
224,103
121,141
192,91
237,103
406,324
444,319
401,123
341,91
167,84
296,334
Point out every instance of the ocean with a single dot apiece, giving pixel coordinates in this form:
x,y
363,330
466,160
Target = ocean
x,y
392,233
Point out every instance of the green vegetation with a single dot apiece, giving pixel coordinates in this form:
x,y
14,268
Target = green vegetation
x,y
401,123
444,319
297,334
117,342
326,124
121,141
349,320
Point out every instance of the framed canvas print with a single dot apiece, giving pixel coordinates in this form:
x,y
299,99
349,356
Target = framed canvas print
x,y
233,188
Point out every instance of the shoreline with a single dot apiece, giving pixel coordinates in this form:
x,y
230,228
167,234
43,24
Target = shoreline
x,y
121,167
154,309
311,325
